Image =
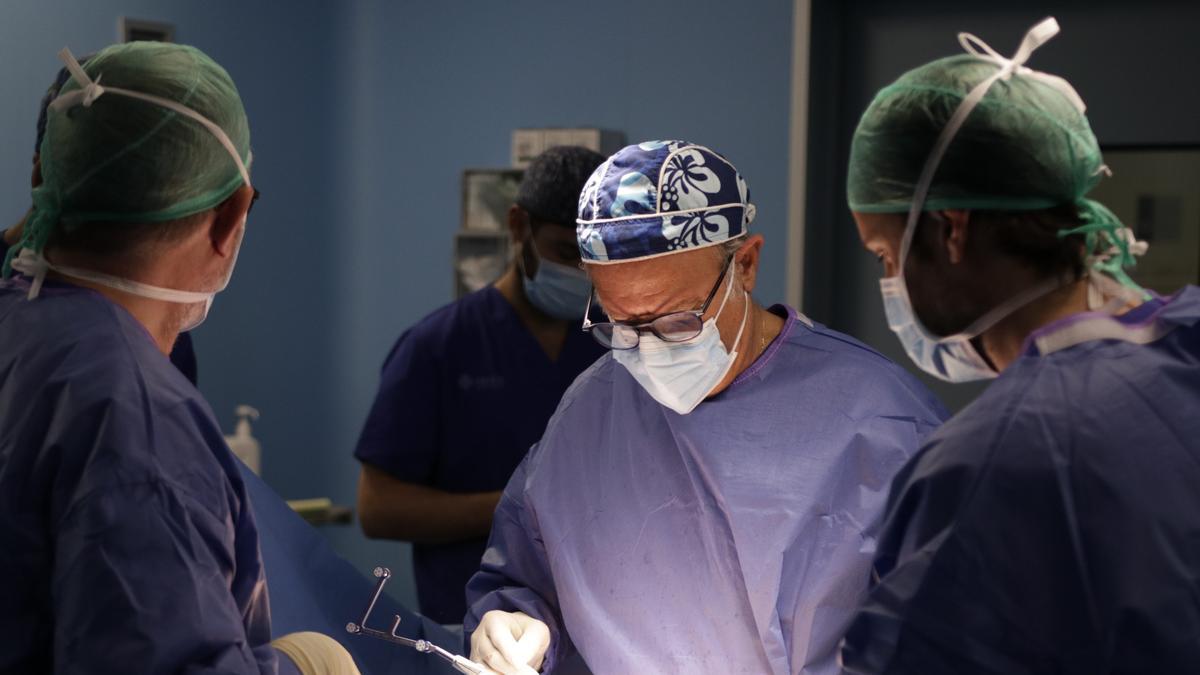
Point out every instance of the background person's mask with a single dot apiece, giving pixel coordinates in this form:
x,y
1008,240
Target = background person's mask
x,y
556,289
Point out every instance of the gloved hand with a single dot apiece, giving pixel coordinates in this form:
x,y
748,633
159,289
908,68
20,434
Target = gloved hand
x,y
511,643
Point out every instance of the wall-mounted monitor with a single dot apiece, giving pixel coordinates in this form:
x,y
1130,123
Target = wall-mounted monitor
x,y
141,30
1155,190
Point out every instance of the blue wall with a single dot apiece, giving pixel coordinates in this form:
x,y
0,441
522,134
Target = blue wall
x,y
363,116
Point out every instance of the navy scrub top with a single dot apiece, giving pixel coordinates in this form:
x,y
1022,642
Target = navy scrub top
x,y
464,394
183,354
126,540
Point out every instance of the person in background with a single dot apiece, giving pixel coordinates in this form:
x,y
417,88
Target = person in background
x,y
468,389
183,353
128,540
1053,525
705,498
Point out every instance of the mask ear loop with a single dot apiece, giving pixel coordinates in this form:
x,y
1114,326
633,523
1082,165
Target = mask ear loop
x,y
728,289
731,273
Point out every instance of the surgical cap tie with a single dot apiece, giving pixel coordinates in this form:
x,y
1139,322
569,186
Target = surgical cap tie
x,y
1111,246
1034,38
1099,221
90,90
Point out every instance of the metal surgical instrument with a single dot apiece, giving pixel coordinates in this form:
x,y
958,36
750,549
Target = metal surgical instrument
x,y
459,663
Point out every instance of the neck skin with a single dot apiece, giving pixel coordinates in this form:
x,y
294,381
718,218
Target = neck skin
x,y
161,319
1002,343
762,327
551,333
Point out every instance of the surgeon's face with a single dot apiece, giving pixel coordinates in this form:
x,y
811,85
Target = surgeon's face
x,y
947,293
643,290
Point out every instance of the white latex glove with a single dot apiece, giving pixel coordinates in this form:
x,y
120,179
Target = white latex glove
x,y
510,643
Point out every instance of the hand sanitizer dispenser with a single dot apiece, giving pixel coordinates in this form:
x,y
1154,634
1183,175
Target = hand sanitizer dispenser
x,y
243,444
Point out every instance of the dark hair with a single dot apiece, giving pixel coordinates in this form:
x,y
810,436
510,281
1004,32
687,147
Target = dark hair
x,y
549,190
122,241
1030,237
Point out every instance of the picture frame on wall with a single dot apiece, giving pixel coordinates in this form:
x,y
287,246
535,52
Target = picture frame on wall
x,y
481,246
141,30
1155,190
479,259
486,196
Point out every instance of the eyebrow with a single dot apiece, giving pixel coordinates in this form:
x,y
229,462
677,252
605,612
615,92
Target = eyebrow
x,y
692,305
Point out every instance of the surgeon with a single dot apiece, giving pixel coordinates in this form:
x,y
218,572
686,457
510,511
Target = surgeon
x,y
1053,526
468,389
704,499
128,541
183,354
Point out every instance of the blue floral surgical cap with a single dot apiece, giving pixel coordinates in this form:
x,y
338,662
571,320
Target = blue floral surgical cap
x,y
658,198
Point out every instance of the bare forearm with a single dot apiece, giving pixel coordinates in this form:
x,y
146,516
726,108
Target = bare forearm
x,y
395,509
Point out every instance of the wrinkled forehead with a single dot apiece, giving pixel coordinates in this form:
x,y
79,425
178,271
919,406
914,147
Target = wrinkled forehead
x,y
653,286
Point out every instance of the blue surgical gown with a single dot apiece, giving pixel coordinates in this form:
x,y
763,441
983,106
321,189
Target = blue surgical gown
x,y
183,354
463,395
734,539
1053,526
126,544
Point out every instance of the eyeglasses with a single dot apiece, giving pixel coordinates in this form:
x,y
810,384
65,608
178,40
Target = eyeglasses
x,y
253,199
673,327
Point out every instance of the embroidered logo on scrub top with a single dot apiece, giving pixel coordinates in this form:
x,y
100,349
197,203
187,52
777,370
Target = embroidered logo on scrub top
x,y
480,382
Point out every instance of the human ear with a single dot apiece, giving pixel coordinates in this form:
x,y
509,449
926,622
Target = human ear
x,y
518,224
954,229
230,217
746,261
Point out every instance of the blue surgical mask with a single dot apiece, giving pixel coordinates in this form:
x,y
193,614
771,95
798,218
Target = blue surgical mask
x,y
680,375
952,358
556,289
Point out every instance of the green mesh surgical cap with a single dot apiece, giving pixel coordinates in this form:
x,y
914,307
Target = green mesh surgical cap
x,y
1025,145
145,132
981,131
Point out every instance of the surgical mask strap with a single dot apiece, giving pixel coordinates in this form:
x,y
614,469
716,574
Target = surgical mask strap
x,y
36,265
741,328
728,291
1109,295
1036,37
745,310
90,90
1000,312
